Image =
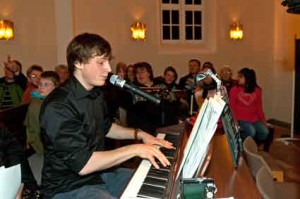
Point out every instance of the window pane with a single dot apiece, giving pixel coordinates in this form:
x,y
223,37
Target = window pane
x,y
175,17
175,1
198,33
166,32
166,17
197,18
188,2
175,32
188,17
165,1
188,32
197,2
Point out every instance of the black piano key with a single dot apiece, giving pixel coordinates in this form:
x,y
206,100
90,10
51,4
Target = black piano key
x,y
174,139
155,181
151,191
168,152
171,160
162,167
159,173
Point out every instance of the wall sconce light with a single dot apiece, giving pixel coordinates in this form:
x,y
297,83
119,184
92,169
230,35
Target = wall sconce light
x,y
138,31
6,30
236,31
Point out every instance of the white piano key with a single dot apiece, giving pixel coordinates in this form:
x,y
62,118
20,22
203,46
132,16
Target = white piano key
x,y
137,180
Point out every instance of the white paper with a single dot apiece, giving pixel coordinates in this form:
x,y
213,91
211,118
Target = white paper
x,y
203,130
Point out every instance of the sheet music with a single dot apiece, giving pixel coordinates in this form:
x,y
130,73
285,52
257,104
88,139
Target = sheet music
x,y
204,128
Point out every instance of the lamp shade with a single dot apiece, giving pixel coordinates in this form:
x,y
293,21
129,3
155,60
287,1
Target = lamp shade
x,y
6,30
138,31
236,31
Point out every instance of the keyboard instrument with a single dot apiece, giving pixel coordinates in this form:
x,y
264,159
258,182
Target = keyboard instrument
x,y
149,182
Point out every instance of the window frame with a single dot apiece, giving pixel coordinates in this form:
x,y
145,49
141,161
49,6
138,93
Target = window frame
x,y
182,8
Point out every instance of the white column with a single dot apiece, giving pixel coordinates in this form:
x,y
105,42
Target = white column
x,y
64,27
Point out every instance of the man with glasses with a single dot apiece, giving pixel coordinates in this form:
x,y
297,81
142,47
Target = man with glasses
x,y
33,75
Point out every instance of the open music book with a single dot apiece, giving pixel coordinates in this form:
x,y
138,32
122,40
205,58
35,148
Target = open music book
x,y
203,130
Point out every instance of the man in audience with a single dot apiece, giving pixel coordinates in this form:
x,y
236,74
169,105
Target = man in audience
x,y
63,72
187,84
226,78
34,75
74,122
11,90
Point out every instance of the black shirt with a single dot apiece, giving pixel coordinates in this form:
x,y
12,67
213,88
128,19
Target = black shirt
x,y
74,122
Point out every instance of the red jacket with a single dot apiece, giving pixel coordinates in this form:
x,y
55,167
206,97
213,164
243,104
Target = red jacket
x,y
246,106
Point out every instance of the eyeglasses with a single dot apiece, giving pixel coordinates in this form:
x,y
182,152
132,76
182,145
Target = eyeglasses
x,y
33,76
45,84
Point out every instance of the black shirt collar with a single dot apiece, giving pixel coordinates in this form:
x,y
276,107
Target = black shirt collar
x,y
81,92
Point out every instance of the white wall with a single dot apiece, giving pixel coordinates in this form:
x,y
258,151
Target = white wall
x,y
267,46
35,38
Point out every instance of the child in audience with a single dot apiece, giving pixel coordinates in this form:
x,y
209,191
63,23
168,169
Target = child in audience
x,y
245,100
49,81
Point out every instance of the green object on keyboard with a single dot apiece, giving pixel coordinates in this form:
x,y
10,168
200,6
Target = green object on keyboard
x,y
197,188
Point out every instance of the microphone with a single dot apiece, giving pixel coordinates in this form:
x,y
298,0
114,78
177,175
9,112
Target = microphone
x,y
117,81
199,77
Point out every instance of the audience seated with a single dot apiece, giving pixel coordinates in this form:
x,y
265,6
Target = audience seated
x,y
16,67
10,89
63,72
245,100
49,81
121,69
186,83
170,95
226,78
142,113
34,75
129,75
145,114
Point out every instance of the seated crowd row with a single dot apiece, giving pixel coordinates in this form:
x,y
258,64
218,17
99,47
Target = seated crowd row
x,y
180,101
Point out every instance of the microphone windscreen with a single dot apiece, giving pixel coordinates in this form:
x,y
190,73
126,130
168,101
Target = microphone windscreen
x,y
199,77
113,79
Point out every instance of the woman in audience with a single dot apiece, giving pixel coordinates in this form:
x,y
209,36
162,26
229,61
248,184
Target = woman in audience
x,y
121,69
129,75
142,113
245,100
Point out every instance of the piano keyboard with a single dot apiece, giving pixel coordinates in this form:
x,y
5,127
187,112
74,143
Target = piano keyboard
x,y
149,182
